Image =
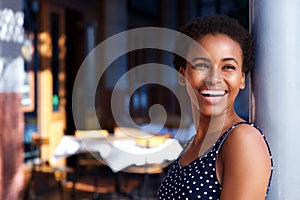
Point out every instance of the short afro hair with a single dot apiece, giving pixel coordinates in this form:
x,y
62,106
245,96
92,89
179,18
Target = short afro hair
x,y
217,24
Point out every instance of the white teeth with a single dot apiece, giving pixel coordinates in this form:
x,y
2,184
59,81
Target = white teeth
x,y
213,92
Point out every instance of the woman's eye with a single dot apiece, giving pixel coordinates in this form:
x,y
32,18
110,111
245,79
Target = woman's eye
x,y
229,67
201,65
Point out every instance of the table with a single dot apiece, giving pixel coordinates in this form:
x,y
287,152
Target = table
x,y
122,153
118,153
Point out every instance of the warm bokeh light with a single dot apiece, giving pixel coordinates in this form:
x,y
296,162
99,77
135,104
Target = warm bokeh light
x,y
62,46
45,45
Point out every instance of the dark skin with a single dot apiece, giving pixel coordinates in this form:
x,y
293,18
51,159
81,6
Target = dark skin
x,y
243,164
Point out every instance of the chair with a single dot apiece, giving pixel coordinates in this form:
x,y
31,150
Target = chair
x,y
146,140
149,169
37,163
147,175
40,166
89,163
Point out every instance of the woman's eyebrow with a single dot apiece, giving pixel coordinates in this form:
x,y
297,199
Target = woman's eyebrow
x,y
230,59
208,60
201,58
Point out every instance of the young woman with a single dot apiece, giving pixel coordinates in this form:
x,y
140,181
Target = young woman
x,y
228,158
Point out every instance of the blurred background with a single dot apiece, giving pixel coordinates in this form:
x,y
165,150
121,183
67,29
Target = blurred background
x,y
42,46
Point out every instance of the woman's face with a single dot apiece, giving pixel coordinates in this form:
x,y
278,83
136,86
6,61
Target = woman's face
x,y
215,75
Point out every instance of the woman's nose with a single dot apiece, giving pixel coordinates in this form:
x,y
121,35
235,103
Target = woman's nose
x,y
213,77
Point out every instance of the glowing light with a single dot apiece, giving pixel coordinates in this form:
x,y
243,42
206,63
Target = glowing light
x,y
45,45
62,46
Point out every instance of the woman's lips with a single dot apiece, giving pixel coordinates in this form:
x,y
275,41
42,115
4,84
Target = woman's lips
x,y
213,93
213,96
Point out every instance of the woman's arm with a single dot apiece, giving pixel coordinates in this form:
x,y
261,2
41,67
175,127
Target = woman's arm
x,y
246,165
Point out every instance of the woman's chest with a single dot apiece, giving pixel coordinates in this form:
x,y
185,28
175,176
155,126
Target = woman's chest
x,y
195,181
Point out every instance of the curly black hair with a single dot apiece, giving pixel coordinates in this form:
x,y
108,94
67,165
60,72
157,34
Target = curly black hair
x,y
217,24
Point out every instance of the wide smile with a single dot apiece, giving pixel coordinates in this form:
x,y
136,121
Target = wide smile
x,y
213,96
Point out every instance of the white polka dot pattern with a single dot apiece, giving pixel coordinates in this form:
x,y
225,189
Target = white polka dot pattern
x,y
198,179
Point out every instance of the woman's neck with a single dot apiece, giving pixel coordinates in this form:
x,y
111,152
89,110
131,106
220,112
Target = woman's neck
x,y
210,128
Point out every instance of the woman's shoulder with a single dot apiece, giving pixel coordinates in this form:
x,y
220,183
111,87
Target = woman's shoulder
x,y
242,132
246,129
246,160
245,137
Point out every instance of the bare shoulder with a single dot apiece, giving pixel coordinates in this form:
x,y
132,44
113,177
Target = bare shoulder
x,y
246,142
246,163
245,137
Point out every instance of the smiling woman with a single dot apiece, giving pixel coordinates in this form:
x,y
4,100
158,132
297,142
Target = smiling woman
x,y
217,75
227,158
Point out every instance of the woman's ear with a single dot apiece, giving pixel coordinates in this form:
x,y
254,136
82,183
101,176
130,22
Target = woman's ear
x,y
181,78
243,81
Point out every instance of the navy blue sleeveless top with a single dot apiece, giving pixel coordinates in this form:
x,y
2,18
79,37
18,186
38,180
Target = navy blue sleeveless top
x,y
198,180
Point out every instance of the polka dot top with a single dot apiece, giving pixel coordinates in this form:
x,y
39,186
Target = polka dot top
x,y
198,179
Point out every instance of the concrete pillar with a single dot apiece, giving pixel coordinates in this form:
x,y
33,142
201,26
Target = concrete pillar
x,y
276,29
11,118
